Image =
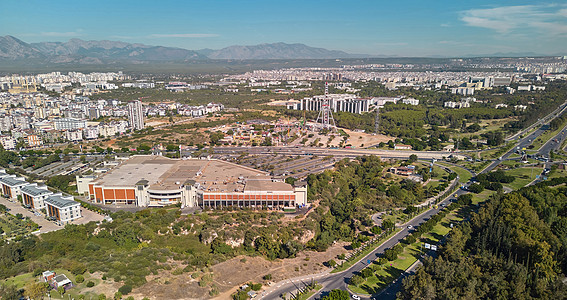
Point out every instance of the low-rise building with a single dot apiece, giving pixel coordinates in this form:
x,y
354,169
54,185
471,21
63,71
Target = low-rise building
x,y
405,171
34,195
62,208
33,140
8,142
159,181
12,185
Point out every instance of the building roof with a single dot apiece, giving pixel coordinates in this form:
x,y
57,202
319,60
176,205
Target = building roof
x,y
61,280
35,190
162,173
266,184
60,202
12,181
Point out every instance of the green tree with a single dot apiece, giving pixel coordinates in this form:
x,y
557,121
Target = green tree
x,y
336,295
35,290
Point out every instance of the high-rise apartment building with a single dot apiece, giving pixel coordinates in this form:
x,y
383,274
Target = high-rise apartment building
x,y
136,115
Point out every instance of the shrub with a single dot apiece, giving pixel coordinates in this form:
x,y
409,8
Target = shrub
x,y
125,289
177,271
79,278
268,277
256,286
117,296
90,284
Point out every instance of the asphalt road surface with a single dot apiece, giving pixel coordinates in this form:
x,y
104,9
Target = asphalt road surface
x,y
340,280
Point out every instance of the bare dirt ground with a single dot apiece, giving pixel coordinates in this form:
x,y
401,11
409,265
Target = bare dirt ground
x,y
356,139
231,274
107,287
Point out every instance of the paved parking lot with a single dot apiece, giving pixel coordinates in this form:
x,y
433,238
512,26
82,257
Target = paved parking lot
x,y
45,225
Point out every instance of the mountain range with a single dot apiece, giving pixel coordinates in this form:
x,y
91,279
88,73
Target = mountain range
x,y
99,52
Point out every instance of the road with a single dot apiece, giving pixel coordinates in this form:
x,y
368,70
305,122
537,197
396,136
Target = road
x,y
340,280
558,111
336,152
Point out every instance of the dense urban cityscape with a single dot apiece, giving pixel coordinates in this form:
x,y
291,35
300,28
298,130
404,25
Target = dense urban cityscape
x,y
425,159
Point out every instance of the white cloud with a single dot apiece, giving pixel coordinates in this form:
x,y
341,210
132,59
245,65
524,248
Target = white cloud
x,y
183,35
548,20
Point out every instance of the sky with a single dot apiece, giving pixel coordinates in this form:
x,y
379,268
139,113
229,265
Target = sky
x,y
400,28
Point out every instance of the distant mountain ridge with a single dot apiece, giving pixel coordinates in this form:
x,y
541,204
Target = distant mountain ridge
x,y
76,50
277,51
98,52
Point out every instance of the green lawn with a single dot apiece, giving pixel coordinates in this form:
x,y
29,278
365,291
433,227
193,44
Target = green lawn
x,y
517,164
482,196
557,173
523,176
464,175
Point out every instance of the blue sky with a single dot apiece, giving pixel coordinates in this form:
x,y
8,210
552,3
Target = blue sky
x,y
403,28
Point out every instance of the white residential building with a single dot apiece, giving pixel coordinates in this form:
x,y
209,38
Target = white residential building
x,y
74,135
63,208
34,195
69,124
8,142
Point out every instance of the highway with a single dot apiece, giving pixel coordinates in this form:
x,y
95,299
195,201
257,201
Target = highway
x,y
557,112
340,280
335,152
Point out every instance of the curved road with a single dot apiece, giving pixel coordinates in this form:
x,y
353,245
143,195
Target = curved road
x,y
340,280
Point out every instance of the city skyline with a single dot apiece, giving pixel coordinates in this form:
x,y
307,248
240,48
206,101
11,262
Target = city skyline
x,y
413,28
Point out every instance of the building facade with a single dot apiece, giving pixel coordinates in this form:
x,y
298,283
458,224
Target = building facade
x,y
62,208
136,115
158,181
33,195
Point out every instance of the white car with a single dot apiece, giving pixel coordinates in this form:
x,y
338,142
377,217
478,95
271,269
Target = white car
x,y
410,227
356,297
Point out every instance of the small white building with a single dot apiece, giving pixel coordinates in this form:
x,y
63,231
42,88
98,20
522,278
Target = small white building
x,y
8,142
63,208
74,135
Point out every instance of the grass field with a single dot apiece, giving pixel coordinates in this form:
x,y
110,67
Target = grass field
x,y
481,197
464,175
487,126
557,173
523,176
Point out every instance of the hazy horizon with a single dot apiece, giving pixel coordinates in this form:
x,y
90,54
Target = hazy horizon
x,y
414,28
